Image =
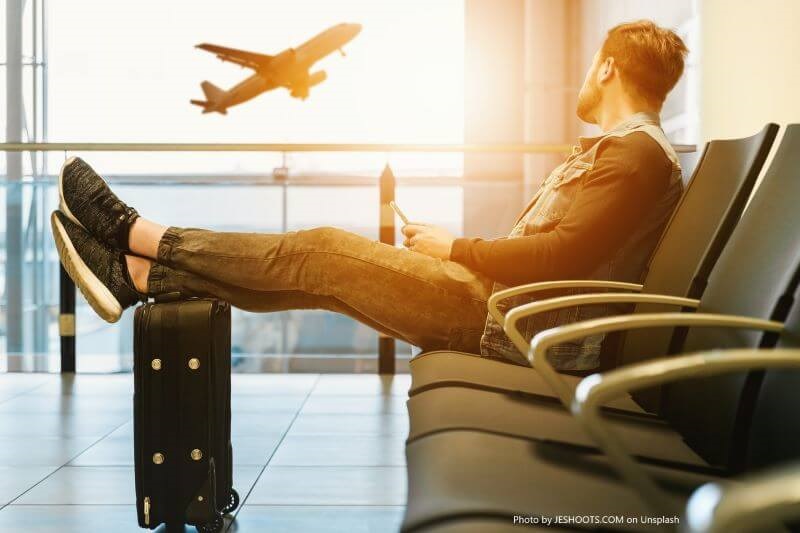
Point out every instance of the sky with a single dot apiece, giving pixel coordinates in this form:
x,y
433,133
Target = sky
x,y
125,71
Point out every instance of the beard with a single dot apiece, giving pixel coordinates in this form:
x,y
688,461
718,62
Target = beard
x,y
588,101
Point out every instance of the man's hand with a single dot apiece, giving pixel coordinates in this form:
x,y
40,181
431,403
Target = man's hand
x,y
428,239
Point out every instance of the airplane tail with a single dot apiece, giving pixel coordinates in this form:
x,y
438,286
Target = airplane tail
x,y
212,92
213,95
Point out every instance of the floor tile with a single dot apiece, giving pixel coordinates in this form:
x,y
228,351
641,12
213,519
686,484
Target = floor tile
x,y
254,450
358,384
73,519
107,485
243,424
334,519
355,404
125,430
260,425
339,467
340,450
14,383
68,518
326,485
89,384
244,477
118,451
266,404
326,424
86,485
14,480
67,404
51,451
57,425
272,384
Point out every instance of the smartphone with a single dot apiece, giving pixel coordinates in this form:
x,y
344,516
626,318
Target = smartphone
x,y
399,213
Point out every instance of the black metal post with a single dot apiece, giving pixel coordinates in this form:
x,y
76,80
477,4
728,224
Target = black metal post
x,y
66,321
386,344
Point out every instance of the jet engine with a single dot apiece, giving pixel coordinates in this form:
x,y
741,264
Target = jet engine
x,y
300,90
316,78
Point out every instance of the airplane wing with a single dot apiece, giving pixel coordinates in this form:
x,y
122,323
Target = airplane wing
x,y
240,57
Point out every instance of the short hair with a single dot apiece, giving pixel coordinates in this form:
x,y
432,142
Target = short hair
x,y
649,58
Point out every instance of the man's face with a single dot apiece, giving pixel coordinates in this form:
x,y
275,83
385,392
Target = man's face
x,y
591,93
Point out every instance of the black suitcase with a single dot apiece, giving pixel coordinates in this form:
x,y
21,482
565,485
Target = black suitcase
x,y
182,414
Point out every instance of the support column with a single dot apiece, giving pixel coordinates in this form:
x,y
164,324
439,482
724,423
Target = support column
x,y
551,45
493,113
14,127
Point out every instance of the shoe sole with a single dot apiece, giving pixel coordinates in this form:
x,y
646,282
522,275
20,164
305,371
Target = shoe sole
x,y
62,204
96,293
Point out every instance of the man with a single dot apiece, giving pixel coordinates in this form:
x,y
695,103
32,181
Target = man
x,y
598,215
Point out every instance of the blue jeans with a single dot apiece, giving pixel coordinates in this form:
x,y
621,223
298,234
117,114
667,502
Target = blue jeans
x,y
427,302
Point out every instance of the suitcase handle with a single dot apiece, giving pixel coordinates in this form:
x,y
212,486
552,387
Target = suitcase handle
x,y
168,297
177,297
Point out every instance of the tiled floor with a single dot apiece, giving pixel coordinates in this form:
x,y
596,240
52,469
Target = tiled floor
x,y
312,453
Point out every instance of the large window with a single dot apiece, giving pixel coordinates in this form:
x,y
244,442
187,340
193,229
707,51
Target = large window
x,y
125,72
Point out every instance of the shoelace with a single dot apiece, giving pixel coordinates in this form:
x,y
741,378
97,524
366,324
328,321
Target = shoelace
x,y
107,203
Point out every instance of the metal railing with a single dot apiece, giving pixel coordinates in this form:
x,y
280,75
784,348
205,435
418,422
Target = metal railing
x,y
386,183
283,147
299,147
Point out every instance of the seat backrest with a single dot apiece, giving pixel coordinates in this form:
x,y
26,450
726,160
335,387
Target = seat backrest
x,y
774,434
689,162
756,275
700,227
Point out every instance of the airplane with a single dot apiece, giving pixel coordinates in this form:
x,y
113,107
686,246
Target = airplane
x,y
289,69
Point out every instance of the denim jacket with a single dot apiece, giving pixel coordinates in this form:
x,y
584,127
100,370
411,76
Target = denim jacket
x,y
544,211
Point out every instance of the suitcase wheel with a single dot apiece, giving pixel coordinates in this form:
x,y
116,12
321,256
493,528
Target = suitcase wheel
x,y
232,504
212,527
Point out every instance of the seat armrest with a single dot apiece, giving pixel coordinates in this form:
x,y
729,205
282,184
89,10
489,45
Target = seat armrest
x,y
551,304
544,340
753,504
596,389
498,296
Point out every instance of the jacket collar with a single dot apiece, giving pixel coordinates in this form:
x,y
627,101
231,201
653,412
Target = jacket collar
x,y
634,121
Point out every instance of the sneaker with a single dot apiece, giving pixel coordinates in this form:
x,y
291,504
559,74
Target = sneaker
x,y
98,271
86,200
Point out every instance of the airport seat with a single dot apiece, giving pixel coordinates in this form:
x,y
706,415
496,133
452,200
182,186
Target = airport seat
x,y
487,476
692,241
499,476
496,472
749,296
755,276
761,296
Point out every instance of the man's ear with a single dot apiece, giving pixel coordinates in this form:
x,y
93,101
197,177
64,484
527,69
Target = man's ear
x,y
606,70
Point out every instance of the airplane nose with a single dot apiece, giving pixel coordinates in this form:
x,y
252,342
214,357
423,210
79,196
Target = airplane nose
x,y
355,29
